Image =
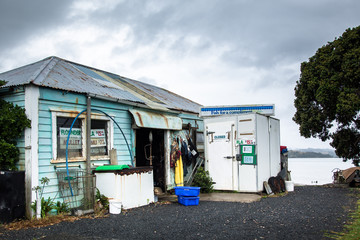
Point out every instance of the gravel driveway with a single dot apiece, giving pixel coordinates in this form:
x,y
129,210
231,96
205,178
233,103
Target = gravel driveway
x,y
306,213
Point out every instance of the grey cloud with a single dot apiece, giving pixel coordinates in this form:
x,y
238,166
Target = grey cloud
x,y
270,31
22,19
259,33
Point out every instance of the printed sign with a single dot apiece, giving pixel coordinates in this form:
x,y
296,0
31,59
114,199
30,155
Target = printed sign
x,y
248,159
74,140
247,141
268,110
247,149
219,137
98,138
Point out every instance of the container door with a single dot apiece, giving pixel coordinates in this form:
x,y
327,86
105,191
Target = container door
x,y
247,136
274,128
220,153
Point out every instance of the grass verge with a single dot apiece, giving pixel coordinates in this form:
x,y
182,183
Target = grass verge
x,y
352,229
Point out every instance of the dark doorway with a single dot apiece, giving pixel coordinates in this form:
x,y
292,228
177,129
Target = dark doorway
x,y
157,151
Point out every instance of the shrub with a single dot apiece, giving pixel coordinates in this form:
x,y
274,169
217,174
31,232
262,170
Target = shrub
x,y
13,121
102,199
202,179
48,204
61,207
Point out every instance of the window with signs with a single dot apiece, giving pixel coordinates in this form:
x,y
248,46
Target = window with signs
x,y
77,141
99,146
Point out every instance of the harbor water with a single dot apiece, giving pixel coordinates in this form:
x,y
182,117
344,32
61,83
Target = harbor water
x,y
315,171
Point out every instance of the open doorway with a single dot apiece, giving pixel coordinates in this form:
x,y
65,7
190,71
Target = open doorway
x,y
155,149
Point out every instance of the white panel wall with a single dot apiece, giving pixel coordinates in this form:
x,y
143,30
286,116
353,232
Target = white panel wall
x,y
275,160
263,151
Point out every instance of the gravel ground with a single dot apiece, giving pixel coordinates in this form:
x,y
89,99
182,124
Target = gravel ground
x,y
306,213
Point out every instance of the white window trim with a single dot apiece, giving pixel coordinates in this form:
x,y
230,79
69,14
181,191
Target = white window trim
x,y
71,114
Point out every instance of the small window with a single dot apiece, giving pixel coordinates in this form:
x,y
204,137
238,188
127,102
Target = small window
x,y
99,136
75,145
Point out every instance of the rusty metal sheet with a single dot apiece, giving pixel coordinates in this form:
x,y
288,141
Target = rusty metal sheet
x,y
147,119
57,73
170,99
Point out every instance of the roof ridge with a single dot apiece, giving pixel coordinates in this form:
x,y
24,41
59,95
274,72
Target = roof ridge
x,y
45,69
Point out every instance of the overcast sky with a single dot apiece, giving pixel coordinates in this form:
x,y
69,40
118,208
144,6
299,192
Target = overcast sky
x,y
214,52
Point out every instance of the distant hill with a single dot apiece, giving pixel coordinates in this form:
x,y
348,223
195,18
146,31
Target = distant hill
x,y
312,153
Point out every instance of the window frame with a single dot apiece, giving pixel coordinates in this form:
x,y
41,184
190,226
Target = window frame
x,y
71,114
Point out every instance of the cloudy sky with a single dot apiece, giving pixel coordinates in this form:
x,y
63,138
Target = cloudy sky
x,y
214,52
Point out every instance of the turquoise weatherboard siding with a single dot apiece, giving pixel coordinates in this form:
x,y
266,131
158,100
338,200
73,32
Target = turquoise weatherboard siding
x,y
17,97
51,99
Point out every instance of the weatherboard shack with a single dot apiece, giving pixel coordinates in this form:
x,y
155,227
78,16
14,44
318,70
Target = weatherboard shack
x,y
132,124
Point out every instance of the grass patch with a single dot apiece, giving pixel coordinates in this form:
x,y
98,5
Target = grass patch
x,y
352,229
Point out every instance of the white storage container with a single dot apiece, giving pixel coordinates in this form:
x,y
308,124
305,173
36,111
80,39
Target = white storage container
x,y
132,187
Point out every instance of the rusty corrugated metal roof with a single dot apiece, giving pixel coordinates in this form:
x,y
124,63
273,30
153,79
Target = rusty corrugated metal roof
x,y
54,72
149,119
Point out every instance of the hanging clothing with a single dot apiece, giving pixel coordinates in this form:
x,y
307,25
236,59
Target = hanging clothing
x,y
185,153
174,153
179,172
193,150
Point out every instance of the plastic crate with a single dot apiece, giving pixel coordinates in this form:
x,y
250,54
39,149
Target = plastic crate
x,y
188,201
187,191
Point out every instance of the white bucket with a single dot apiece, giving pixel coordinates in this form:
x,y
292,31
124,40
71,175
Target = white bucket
x,y
115,206
289,185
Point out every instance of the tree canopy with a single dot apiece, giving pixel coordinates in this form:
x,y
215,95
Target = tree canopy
x,y
327,95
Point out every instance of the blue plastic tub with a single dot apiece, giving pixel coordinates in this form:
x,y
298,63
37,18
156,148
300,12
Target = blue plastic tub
x,y
188,201
187,191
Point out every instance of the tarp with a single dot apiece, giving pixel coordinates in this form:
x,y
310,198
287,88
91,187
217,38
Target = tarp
x,y
349,173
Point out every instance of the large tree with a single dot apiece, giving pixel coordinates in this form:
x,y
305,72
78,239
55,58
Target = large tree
x,y
327,95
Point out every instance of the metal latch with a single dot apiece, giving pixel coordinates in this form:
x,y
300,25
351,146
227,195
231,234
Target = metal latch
x,y
229,157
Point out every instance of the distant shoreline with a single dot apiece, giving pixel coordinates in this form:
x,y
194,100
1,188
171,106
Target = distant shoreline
x,y
301,154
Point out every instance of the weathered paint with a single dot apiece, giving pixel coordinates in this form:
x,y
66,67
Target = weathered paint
x,y
132,187
31,145
156,120
55,103
64,75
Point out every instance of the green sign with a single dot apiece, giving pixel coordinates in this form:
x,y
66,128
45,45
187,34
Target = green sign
x,y
247,149
248,156
248,159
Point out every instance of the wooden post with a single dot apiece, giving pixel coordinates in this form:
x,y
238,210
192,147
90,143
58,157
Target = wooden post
x,y
88,179
88,135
